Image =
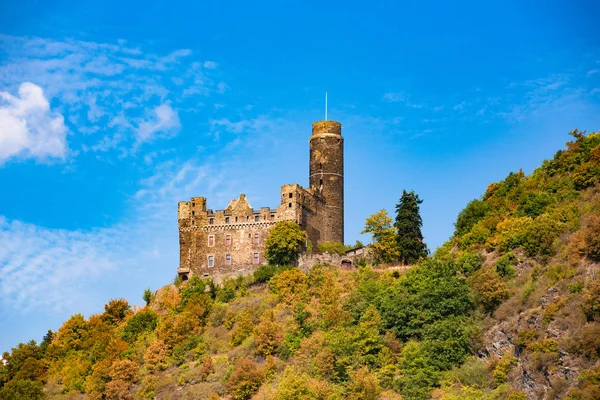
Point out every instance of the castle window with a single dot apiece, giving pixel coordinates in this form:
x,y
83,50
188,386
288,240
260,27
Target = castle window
x,y
250,235
235,219
193,222
290,205
227,240
226,220
256,218
291,195
211,261
256,238
256,258
321,165
211,240
193,204
193,213
272,216
211,221
228,259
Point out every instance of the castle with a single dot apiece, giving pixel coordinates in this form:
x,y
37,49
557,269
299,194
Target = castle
x,y
232,241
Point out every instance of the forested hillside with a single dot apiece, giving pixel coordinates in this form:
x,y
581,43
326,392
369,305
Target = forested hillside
x,y
508,308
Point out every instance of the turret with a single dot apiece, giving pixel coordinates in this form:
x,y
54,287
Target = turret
x,y
327,176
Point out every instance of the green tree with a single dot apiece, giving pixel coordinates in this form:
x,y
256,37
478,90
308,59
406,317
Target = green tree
x,y
469,216
384,247
284,243
430,292
408,228
147,296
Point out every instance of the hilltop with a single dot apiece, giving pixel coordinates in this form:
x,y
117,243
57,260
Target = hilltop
x,y
509,307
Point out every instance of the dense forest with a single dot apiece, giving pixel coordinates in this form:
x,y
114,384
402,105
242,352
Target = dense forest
x,y
508,308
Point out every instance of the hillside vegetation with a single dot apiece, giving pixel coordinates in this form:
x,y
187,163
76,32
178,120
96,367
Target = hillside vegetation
x,y
508,308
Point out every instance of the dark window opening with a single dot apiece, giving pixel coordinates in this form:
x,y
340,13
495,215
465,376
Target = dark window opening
x,y
236,219
211,221
256,218
184,277
193,222
321,165
226,220
193,212
290,205
291,195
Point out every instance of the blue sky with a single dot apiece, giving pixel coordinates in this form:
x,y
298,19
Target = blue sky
x,y
112,112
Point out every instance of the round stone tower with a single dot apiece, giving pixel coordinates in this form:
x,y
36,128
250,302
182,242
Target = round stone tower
x,y
327,177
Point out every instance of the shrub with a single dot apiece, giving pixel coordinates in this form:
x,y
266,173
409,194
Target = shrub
x,y
245,380
332,247
418,375
197,286
291,286
227,290
22,389
473,372
447,342
242,329
469,262
490,289
592,238
588,387
264,273
511,232
540,236
267,335
363,385
504,265
155,356
293,385
143,321
590,301
470,215
502,367
534,204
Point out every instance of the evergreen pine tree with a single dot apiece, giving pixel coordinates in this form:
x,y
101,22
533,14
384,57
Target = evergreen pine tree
x,y
408,226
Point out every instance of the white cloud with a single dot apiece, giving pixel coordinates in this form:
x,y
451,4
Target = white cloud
x,y
163,121
28,128
93,83
398,97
